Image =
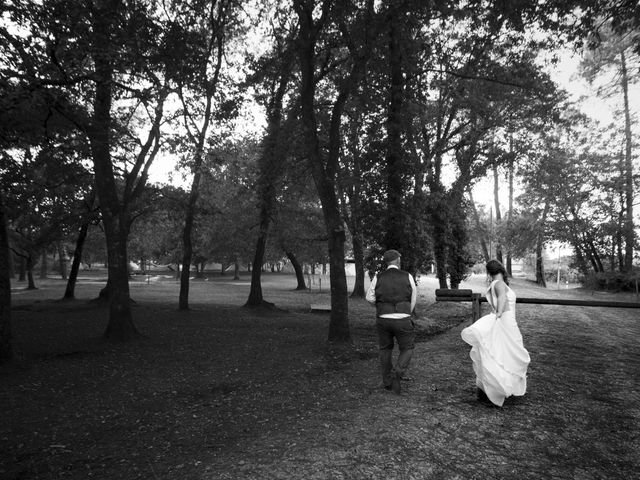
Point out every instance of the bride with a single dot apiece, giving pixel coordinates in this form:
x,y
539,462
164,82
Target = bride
x,y
499,358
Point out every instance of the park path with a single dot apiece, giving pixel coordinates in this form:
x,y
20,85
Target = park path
x,y
579,420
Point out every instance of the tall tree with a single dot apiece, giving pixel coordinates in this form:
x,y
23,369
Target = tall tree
x,y
351,23
87,220
614,54
106,16
6,345
462,95
352,193
510,180
272,158
395,167
554,188
111,58
205,30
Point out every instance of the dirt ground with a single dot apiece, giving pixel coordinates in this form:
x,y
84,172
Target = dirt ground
x,y
225,392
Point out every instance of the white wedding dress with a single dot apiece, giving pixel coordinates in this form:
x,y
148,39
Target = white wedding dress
x,y
499,358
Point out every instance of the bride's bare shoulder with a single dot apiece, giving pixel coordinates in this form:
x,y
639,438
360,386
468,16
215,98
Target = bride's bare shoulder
x,y
500,286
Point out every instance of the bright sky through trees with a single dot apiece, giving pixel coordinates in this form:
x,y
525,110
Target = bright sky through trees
x,y
565,74
251,123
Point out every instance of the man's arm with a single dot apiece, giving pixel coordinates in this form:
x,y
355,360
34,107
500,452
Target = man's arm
x,y
414,292
371,293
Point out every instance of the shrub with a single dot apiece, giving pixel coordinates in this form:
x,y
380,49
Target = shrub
x,y
612,281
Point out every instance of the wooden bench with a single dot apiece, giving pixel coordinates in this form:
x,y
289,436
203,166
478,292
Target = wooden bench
x,y
462,295
320,307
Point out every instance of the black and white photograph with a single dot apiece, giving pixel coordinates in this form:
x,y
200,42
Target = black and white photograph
x,y
319,239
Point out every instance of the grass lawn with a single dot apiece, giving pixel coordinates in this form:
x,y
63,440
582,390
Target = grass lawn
x,y
226,392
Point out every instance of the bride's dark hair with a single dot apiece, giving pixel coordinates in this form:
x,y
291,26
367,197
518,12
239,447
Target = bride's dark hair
x,y
494,267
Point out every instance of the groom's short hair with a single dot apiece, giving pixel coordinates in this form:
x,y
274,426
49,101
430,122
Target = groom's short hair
x,y
390,255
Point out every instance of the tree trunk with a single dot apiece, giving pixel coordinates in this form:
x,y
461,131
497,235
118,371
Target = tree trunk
x,y
589,254
479,230
540,277
418,241
617,239
629,230
440,258
210,85
31,284
120,325
324,173
44,265
115,220
270,168
580,260
510,213
456,260
353,212
6,343
236,270
298,269
618,256
496,200
22,275
75,264
395,215
187,246
596,256
339,322
12,265
255,292
439,215
62,259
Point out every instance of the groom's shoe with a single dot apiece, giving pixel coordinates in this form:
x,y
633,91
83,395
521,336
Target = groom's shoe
x,y
386,386
395,383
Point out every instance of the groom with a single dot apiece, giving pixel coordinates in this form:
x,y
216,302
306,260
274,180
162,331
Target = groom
x,y
394,294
